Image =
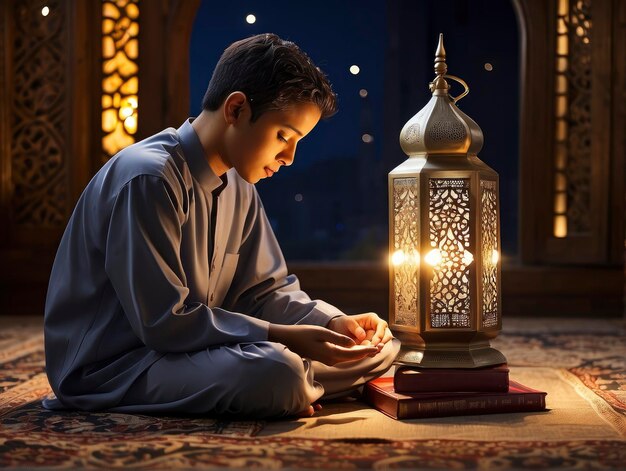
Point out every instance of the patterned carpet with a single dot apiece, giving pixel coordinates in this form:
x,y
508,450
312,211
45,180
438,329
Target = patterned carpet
x,y
594,351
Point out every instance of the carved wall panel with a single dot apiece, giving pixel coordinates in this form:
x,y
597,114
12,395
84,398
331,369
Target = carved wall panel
x,y
38,114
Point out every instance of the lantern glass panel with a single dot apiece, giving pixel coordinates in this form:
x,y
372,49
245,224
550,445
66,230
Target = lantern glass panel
x,y
490,252
449,232
405,257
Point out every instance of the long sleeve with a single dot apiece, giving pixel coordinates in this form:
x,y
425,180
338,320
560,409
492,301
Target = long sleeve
x,y
262,286
144,266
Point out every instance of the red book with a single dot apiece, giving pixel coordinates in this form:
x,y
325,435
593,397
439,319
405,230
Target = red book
x,y
380,394
492,379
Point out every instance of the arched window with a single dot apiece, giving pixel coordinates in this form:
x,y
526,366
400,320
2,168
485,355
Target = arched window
x,y
332,203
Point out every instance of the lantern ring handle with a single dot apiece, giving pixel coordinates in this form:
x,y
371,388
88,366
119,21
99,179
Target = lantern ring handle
x,y
462,82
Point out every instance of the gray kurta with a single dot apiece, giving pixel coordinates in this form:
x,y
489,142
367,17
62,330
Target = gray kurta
x,y
134,302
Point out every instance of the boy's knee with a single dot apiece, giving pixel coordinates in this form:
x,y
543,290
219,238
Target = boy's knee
x,y
282,367
280,381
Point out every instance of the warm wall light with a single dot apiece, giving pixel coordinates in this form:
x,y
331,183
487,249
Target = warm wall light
x,y
120,84
443,203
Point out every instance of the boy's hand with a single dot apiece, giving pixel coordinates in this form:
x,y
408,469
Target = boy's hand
x,y
319,343
365,329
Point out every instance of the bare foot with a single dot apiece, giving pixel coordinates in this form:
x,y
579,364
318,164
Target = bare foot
x,y
310,411
306,412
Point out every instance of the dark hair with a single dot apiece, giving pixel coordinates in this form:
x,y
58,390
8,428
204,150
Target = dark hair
x,y
273,74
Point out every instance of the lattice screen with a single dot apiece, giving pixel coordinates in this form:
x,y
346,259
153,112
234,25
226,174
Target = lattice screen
x,y
120,84
573,93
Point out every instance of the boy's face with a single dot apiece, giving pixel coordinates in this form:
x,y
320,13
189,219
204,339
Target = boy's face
x,y
258,149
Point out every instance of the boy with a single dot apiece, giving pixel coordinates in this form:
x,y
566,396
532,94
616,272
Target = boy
x,y
169,292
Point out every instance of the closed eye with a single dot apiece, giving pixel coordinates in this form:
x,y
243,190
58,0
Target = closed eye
x,y
281,137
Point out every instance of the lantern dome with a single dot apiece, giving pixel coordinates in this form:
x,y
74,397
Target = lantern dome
x,y
441,127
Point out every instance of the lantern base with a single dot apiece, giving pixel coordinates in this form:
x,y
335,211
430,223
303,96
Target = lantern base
x,y
474,357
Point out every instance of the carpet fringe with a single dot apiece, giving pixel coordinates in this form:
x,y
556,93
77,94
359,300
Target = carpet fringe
x,y
602,408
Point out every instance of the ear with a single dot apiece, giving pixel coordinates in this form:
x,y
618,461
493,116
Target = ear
x,y
234,107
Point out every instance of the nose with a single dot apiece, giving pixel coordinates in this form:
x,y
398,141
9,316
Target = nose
x,y
287,155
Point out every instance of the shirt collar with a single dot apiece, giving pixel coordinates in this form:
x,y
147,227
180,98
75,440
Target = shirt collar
x,y
194,155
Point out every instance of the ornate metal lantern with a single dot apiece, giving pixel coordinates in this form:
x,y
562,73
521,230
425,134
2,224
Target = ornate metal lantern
x,y
444,237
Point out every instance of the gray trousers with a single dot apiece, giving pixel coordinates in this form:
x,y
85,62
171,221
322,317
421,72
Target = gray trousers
x,y
252,380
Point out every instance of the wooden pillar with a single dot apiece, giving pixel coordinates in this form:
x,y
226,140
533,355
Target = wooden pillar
x,y
164,64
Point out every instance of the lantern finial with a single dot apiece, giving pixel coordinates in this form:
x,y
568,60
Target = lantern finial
x,y
440,53
440,68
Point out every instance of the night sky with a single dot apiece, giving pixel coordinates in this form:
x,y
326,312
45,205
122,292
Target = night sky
x,y
312,205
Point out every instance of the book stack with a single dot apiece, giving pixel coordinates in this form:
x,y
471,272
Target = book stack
x,y
414,393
